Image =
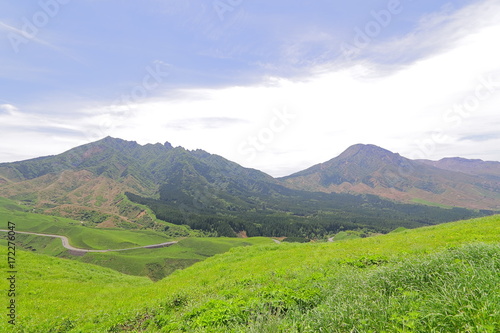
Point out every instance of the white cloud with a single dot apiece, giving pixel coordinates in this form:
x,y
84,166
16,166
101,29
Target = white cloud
x,y
27,136
439,31
336,109
7,109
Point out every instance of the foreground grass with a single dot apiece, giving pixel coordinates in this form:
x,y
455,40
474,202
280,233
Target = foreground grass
x,y
450,291
420,280
53,294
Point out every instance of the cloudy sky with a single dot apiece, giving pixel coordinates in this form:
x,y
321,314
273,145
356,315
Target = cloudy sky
x,y
274,85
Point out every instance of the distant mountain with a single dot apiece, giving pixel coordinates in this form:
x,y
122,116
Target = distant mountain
x,y
108,182
490,170
369,169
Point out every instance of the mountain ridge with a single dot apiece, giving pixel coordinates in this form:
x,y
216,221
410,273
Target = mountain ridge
x,y
103,183
477,167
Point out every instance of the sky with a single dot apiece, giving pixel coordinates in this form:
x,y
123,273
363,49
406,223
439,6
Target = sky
x,y
273,85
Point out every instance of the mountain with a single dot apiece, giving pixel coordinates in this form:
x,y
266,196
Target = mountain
x,y
486,169
369,169
118,183
94,177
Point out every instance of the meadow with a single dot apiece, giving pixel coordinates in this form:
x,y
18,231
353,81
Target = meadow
x,y
444,278
79,236
155,263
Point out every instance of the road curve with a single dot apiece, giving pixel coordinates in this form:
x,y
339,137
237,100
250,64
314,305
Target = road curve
x,y
77,251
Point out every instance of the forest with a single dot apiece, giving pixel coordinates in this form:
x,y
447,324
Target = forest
x,y
294,213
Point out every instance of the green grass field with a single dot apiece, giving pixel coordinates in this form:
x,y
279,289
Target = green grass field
x,y
345,235
430,203
158,263
154,263
444,278
79,236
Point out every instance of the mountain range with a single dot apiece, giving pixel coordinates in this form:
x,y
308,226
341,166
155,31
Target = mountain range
x,y
118,183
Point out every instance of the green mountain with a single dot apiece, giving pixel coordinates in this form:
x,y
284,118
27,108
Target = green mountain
x,y
369,169
210,193
86,183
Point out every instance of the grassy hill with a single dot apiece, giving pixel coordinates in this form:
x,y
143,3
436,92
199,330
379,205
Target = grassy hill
x,y
155,263
442,278
80,236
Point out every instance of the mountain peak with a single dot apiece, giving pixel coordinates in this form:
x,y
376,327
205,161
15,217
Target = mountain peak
x,y
365,149
111,139
357,164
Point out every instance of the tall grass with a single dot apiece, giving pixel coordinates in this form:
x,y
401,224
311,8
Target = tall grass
x,y
457,290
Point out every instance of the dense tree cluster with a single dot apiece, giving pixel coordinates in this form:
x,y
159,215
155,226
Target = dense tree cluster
x,y
305,214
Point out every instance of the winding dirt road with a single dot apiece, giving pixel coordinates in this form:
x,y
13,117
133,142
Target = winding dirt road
x,y
77,251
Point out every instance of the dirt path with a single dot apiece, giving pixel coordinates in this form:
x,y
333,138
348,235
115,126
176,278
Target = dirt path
x,y
77,251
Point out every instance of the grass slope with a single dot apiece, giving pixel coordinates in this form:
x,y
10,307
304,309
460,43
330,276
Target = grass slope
x,y
79,236
48,289
154,263
419,280
158,263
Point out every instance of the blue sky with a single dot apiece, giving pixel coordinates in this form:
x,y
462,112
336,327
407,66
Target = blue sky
x,y
273,85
